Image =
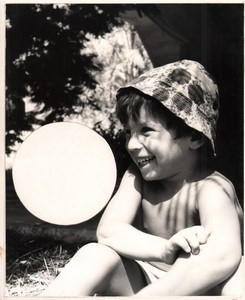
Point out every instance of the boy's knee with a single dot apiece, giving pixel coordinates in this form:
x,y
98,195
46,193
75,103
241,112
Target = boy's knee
x,y
89,247
97,250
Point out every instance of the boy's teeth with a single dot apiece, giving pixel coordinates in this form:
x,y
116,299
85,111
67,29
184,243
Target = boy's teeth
x,y
144,161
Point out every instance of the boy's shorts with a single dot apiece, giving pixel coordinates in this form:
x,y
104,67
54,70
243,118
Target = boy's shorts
x,y
151,272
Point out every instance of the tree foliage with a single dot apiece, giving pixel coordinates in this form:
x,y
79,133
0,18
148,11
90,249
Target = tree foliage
x,y
45,62
122,58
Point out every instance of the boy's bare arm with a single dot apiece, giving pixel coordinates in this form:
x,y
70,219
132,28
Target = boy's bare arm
x,y
115,229
218,258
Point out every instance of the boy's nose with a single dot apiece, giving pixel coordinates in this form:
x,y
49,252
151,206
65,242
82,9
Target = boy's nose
x,y
134,143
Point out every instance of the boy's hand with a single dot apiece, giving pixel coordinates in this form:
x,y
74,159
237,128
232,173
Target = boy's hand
x,y
188,239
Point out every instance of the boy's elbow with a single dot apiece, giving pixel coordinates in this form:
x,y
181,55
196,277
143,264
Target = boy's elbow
x,y
228,261
232,260
103,232
219,260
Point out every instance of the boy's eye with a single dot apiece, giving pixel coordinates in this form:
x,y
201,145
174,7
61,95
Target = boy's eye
x,y
146,129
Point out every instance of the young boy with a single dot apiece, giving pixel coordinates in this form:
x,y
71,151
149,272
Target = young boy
x,y
188,238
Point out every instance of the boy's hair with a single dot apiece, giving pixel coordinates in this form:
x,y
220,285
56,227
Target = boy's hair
x,y
128,107
129,104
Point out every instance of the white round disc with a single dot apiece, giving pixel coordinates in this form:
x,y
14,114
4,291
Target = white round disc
x,y
64,173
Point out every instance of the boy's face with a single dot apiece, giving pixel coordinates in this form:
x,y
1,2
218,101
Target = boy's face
x,y
154,150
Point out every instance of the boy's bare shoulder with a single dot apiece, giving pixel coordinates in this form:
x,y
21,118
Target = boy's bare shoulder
x,y
131,178
216,188
217,182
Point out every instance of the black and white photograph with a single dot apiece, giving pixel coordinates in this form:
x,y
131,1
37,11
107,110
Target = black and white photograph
x,y
123,150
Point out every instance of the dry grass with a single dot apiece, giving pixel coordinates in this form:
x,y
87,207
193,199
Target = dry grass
x,y
32,264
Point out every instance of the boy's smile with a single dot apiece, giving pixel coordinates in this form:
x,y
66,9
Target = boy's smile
x,y
143,161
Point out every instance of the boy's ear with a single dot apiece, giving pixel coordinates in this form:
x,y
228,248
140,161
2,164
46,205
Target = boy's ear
x,y
197,140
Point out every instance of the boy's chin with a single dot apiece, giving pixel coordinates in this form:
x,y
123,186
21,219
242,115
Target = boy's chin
x,y
148,176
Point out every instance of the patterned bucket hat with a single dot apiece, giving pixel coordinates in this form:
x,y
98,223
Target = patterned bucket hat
x,y
187,90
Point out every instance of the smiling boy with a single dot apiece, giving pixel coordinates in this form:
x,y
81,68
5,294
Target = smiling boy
x,y
185,207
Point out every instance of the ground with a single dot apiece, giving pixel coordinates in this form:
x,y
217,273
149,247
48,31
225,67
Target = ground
x,y
32,264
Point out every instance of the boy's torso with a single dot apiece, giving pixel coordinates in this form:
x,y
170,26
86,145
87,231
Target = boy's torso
x,y
166,214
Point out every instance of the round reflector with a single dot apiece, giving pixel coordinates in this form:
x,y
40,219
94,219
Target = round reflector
x,y
64,173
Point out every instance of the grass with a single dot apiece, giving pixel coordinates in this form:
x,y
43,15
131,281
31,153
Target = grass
x,y
32,264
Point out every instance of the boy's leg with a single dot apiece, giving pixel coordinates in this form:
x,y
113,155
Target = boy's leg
x,y
97,269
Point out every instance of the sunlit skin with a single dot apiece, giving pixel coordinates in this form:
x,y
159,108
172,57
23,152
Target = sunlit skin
x,y
178,192
156,152
171,172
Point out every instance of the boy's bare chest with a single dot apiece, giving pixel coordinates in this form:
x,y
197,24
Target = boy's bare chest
x,y
164,216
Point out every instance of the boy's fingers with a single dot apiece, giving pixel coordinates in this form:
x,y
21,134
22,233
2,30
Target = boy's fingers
x,y
193,241
201,234
181,242
190,240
